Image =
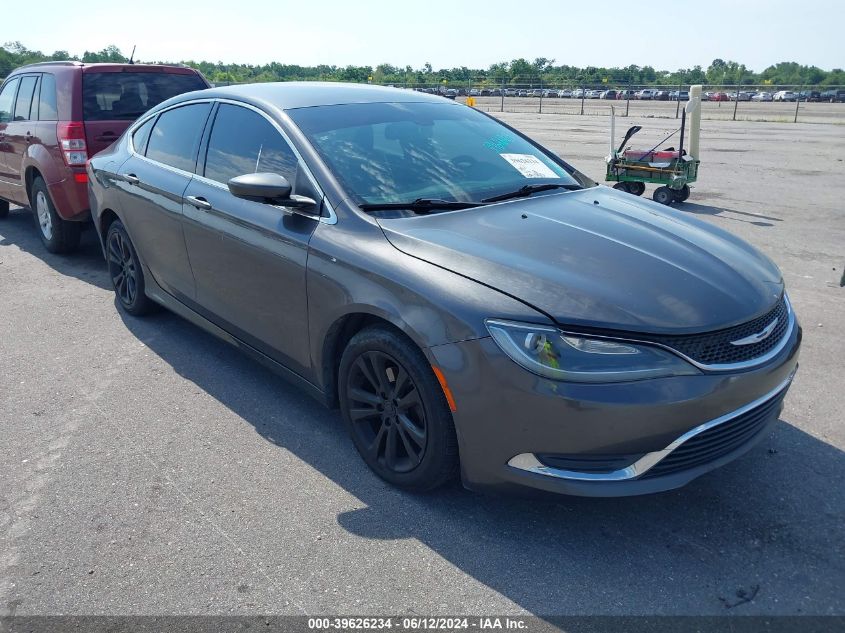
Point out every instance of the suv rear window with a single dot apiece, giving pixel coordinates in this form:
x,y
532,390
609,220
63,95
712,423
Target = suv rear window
x,y
127,95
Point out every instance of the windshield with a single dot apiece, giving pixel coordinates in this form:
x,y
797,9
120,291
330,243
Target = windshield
x,y
397,152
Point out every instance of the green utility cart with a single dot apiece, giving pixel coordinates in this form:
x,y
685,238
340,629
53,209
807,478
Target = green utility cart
x,y
672,170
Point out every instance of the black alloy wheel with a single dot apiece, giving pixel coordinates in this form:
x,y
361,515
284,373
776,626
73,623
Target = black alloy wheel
x,y
125,271
386,411
396,410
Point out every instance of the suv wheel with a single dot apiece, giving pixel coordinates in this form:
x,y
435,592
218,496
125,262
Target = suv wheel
x,y
396,411
58,235
4,209
125,271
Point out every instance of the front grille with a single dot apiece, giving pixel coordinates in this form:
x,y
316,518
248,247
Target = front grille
x,y
714,348
718,441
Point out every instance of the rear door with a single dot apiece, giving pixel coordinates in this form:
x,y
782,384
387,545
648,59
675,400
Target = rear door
x,y
152,182
248,257
113,97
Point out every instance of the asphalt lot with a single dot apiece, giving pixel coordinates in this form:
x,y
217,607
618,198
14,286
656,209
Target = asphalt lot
x,y
148,468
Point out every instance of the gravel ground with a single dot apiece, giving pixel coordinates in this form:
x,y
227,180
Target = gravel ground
x,y
148,468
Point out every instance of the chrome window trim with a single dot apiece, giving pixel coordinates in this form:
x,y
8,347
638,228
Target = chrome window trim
x,y
529,462
332,216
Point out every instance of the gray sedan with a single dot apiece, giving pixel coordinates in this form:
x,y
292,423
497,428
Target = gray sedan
x,y
474,305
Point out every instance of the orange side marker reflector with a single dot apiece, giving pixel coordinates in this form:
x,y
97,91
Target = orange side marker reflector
x,y
446,391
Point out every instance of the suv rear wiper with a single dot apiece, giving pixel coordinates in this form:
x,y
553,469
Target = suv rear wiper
x,y
527,190
422,205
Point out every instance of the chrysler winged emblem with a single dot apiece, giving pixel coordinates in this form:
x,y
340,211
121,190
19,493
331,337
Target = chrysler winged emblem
x,y
762,335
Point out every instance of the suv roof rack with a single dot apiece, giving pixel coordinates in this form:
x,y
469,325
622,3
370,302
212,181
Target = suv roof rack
x,y
64,63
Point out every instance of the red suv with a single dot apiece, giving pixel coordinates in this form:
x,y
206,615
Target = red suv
x,y
54,116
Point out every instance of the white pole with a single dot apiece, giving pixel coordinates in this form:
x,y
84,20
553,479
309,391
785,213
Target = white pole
x,y
612,132
694,111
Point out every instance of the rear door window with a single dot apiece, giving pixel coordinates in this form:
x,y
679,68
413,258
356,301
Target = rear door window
x,y
176,136
47,108
127,95
24,100
7,97
244,142
141,135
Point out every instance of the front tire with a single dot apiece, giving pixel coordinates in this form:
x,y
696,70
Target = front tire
x,y
396,412
57,235
125,271
4,209
682,193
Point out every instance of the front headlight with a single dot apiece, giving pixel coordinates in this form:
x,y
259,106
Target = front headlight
x,y
547,351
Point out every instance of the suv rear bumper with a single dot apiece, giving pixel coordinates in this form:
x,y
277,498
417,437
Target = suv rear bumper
x,y
70,198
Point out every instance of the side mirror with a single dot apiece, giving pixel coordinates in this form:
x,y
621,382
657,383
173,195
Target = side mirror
x,y
268,187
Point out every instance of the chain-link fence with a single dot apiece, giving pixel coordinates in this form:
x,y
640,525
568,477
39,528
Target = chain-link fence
x,y
778,103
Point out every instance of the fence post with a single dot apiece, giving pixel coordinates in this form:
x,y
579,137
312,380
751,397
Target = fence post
x,y
628,97
541,96
736,103
797,103
582,100
678,105
503,95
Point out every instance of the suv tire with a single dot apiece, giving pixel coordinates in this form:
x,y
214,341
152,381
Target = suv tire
x,y
57,235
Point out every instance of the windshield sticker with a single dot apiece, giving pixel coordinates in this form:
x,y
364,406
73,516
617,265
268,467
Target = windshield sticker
x,y
529,166
498,143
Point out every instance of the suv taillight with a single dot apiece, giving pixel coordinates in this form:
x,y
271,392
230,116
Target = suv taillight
x,y
72,139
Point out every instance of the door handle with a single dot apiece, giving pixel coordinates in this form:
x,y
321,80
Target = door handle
x,y
199,203
28,137
132,179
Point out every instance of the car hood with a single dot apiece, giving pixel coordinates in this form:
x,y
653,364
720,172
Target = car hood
x,y
600,258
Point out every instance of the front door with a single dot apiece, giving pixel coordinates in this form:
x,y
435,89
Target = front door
x,y
249,258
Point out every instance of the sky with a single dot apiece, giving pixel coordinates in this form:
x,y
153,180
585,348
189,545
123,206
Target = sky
x,y
665,35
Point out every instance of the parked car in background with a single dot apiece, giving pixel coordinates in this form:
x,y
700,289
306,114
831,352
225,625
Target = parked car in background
x,y
607,94
661,95
812,96
578,93
646,94
762,96
785,95
564,94
833,96
616,348
675,95
56,115
719,96
550,93
626,94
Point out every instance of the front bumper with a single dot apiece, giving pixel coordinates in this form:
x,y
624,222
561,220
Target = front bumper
x,y
515,429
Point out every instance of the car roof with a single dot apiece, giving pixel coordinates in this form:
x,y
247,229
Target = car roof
x,y
305,94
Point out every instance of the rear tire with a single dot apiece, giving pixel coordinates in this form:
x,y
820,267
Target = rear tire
x,y
636,188
396,412
57,235
664,195
4,209
125,271
622,186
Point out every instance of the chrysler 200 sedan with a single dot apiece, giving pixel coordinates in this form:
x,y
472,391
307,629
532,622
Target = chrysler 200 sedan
x,y
471,302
